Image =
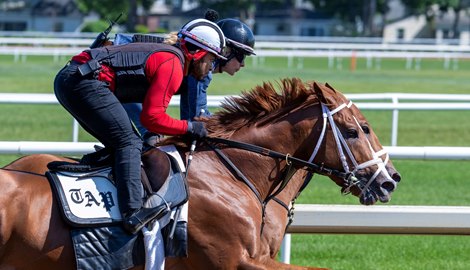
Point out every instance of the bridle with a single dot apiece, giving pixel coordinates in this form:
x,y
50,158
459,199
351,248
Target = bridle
x,y
352,180
293,164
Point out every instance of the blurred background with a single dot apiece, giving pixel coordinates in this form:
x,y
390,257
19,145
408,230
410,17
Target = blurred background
x,y
391,20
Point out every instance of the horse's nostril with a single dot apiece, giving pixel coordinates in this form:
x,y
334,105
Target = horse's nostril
x,y
388,186
396,177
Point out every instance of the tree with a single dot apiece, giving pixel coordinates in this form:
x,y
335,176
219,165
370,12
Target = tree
x,y
243,9
428,7
360,13
457,6
110,9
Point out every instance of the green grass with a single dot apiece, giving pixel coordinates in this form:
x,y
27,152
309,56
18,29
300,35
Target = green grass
x,y
423,182
379,252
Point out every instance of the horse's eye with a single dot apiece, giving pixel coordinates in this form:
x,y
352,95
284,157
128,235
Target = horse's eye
x,y
352,134
365,129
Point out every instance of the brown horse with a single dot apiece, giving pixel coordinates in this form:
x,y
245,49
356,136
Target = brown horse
x,y
275,141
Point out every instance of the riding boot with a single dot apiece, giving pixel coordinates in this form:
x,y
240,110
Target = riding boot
x,y
102,157
135,220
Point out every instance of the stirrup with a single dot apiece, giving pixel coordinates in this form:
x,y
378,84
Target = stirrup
x,y
137,220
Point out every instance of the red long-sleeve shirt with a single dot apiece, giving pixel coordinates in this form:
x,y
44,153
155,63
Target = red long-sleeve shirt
x,y
164,74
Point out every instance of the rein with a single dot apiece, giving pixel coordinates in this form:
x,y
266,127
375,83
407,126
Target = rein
x,y
289,171
307,165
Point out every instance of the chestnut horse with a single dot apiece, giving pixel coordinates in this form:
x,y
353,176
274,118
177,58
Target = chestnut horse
x,y
263,148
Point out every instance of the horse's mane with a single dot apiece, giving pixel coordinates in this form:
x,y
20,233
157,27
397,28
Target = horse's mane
x,y
259,103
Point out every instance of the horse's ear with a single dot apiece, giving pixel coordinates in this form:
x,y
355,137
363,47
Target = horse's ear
x,y
339,96
329,86
318,88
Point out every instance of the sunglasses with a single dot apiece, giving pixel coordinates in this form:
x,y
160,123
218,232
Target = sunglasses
x,y
240,57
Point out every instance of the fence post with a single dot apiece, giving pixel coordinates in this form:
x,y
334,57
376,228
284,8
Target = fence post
x,y
75,131
394,123
290,60
285,248
331,60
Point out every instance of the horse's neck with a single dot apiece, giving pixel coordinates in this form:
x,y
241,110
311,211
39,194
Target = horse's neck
x,y
289,134
266,175
264,172
292,189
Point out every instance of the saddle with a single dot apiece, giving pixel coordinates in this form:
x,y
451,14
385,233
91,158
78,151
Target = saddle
x,y
87,197
87,192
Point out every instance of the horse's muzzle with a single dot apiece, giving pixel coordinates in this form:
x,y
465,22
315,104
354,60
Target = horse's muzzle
x,y
387,185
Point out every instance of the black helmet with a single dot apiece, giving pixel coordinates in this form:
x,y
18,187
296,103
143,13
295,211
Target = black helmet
x,y
238,35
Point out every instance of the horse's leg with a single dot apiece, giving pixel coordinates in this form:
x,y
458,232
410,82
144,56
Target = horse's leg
x,y
273,265
218,244
248,264
32,233
176,264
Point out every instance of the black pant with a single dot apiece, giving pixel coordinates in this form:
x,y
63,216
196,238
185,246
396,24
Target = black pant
x,y
101,114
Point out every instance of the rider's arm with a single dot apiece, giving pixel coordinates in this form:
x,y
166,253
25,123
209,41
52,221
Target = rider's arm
x,y
201,101
164,73
195,98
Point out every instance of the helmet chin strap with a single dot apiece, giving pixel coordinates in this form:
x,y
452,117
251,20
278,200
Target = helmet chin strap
x,y
196,56
191,57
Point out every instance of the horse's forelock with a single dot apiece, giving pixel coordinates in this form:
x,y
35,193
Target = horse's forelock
x,y
257,103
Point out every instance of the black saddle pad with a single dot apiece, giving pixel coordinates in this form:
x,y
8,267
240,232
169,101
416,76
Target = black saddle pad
x,y
107,248
87,196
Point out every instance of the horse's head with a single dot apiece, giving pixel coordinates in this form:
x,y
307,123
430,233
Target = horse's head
x,y
351,145
314,127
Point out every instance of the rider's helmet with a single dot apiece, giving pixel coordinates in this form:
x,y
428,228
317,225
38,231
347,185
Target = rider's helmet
x,y
202,36
239,38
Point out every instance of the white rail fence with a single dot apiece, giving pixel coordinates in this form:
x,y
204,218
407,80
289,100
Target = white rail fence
x,y
273,42
294,48
357,219
395,103
379,219
80,148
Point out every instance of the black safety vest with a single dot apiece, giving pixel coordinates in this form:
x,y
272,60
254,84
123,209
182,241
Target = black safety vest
x,y
128,62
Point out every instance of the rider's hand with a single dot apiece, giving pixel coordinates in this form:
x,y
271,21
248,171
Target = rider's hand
x,y
197,129
151,138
